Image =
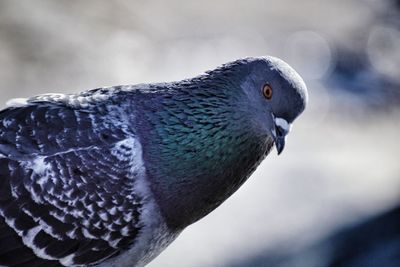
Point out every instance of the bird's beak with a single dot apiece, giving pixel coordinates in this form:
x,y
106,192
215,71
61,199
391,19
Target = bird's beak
x,y
282,128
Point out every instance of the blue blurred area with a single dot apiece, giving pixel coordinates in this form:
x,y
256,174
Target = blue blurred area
x,y
369,69
352,74
372,243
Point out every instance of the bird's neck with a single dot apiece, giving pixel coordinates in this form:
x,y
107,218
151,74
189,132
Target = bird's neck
x,y
198,150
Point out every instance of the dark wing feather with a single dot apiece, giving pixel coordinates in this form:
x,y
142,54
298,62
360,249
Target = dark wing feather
x,y
67,185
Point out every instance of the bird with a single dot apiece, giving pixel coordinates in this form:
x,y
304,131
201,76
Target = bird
x,y
111,176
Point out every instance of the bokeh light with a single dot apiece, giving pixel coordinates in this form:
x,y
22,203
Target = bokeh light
x,y
383,49
310,53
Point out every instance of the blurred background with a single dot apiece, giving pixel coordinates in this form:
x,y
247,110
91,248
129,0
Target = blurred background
x,y
341,166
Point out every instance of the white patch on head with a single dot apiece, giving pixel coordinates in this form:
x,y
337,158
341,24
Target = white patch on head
x,y
283,124
17,102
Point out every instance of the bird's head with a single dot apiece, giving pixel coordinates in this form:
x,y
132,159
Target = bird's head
x,y
275,95
203,137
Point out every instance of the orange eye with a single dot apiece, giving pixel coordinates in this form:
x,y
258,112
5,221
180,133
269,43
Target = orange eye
x,y
267,91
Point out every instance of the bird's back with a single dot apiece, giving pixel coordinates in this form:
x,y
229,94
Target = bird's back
x,y
73,189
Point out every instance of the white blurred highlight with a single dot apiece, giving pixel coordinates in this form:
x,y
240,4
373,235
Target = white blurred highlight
x,y
309,53
383,50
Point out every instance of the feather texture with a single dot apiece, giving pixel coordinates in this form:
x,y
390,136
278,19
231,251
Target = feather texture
x,y
69,184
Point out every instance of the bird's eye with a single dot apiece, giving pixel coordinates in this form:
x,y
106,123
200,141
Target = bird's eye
x,y
267,91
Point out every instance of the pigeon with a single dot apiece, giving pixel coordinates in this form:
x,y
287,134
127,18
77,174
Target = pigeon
x,y
111,176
